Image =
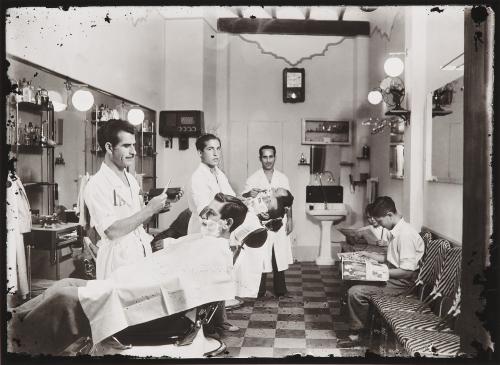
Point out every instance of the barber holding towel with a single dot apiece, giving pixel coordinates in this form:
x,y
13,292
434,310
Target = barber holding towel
x,y
116,208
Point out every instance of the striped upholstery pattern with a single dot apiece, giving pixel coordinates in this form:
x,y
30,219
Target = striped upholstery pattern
x,y
426,343
402,304
419,321
432,261
449,277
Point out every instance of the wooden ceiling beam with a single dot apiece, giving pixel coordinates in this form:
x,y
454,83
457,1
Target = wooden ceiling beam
x,y
294,26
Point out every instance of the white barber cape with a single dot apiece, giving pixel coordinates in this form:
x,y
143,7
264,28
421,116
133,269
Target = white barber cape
x,y
202,189
187,273
279,240
109,200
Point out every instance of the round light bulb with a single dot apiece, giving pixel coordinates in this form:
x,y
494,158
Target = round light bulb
x,y
57,101
393,66
374,97
82,100
135,116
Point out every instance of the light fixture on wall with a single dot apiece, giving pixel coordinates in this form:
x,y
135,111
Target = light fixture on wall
x,y
393,66
375,96
135,116
82,100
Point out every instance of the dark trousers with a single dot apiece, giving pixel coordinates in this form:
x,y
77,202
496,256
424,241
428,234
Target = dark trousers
x,y
279,284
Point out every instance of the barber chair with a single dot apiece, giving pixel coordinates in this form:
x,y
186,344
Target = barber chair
x,y
178,335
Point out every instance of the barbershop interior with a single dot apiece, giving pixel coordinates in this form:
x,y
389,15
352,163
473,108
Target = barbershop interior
x,y
336,158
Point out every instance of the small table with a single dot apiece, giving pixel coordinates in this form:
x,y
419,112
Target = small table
x,y
51,239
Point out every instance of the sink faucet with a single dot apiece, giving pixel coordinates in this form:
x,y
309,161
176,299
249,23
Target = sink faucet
x,y
319,175
331,178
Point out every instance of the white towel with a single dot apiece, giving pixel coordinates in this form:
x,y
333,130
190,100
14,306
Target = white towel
x,y
80,204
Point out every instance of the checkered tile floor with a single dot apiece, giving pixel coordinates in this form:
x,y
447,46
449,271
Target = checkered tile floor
x,y
307,323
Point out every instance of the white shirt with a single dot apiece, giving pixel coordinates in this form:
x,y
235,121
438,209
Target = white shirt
x,y
406,247
202,188
277,240
109,200
259,180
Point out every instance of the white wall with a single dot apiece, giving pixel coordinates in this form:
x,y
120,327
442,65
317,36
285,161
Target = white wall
x,y
122,56
443,202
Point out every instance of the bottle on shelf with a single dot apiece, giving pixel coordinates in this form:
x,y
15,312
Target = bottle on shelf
x,y
31,92
26,90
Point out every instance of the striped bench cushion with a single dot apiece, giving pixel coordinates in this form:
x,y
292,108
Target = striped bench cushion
x,y
404,304
418,321
426,343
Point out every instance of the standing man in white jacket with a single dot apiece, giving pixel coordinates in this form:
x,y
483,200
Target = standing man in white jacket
x,y
116,209
278,249
207,180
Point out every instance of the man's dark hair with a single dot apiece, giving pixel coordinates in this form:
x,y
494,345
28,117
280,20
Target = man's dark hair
x,y
267,147
383,205
110,129
234,208
369,210
201,142
286,199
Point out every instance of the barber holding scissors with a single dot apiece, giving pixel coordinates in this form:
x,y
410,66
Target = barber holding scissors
x,y
116,208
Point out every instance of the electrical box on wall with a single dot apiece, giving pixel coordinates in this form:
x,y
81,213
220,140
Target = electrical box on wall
x,y
181,123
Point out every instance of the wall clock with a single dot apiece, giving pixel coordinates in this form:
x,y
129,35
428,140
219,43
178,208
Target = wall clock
x,y
293,85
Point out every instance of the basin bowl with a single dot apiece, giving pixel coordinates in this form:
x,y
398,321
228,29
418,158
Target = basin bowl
x,y
334,212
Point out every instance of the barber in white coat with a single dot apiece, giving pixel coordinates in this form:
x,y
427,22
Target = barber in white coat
x,y
116,209
207,180
278,249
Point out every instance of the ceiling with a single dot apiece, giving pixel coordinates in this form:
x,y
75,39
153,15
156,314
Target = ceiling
x,y
212,13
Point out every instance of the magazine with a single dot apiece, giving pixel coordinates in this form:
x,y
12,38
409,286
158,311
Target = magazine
x,y
363,270
359,235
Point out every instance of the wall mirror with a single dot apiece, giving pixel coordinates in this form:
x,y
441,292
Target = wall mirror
x,y
51,173
318,158
396,148
446,133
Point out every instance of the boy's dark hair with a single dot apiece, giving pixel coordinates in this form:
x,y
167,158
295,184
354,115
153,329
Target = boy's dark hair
x,y
234,208
202,140
110,129
383,205
267,147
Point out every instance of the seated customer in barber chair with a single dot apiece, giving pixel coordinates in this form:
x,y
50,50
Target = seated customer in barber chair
x,y
163,284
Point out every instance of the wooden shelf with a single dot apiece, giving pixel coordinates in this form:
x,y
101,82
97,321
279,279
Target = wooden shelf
x,y
346,163
32,149
32,107
304,164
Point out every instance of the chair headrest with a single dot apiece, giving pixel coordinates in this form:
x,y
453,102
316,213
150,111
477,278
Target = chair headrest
x,y
256,238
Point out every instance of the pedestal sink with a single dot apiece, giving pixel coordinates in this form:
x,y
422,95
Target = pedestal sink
x,y
334,213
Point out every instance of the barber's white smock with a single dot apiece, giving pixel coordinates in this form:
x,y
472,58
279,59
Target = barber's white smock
x,y
279,240
109,200
188,272
202,188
